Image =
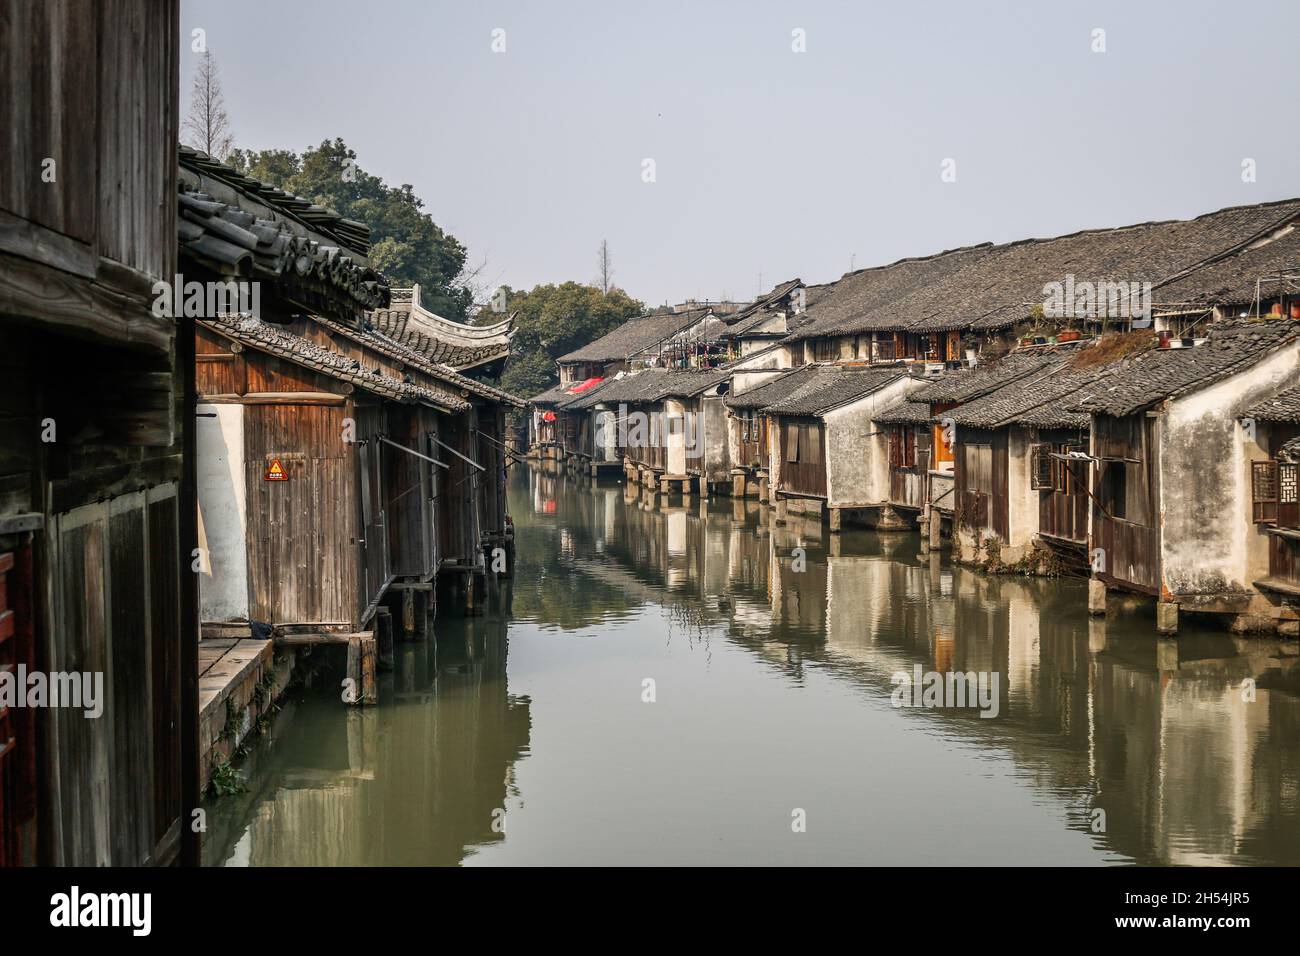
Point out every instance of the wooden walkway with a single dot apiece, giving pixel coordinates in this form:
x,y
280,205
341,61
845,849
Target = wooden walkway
x,y
230,670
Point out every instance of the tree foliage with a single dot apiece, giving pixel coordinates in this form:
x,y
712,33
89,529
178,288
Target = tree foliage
x,y
552,320
406,244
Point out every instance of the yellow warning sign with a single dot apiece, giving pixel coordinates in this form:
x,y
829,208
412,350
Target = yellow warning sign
x,y
276,472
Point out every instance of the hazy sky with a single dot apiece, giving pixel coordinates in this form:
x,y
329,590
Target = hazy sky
x,y
769,161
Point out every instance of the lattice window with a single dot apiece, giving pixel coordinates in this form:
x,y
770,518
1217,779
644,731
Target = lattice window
x,y
1287,484
1264,486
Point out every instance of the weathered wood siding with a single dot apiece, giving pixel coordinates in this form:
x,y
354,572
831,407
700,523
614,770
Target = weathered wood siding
x,y
1130,544
1063,509
803,455
302,555
114,612
980,481
407,493
909,483
92,87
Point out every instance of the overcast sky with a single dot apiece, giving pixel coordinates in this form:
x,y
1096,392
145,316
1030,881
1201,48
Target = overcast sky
x,y
768,161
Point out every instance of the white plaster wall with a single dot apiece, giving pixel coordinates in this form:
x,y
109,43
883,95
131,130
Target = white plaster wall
x,y
223,584
674,436
714,434
852,451
1022,504
1209,545
605,423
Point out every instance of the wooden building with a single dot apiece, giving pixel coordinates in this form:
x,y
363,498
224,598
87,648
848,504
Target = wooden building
x,y
1172,509
317,548
1275,492
96,432
909,436
824,444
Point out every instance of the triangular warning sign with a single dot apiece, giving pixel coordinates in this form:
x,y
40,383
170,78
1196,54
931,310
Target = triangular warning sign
x,y
276,472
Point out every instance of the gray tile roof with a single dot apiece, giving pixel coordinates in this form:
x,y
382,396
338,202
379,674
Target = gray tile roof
x,y
905,413
1045,395
355,235
1152,376
380,342
1231,281
396,323
274,340
967,384
760,310
832,386
774,390
241,245
990,287
633,336
1282,407
875,299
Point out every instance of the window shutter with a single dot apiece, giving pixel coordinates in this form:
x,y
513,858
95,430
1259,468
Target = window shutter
x,y
895,456
909,446
791,442
1040,468
1264,491
813,445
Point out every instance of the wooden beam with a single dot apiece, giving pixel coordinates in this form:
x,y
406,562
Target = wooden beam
x,y
75,305
320,637
275,398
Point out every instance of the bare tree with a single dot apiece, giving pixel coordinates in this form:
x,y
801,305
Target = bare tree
x,y
605,277
207,127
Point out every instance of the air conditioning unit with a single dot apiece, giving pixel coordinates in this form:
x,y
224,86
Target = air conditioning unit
x,y
933,369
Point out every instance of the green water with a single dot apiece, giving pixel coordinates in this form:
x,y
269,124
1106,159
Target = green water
x,y
527,736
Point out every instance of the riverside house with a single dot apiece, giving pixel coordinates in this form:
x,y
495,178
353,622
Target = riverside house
x,y
96,439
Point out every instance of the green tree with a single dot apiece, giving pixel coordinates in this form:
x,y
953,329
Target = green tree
x,y
406,244
552,320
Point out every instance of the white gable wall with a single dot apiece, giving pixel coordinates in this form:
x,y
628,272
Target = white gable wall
x,y
1209,545
852,448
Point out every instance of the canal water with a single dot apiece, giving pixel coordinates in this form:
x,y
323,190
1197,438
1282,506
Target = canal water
x,y
689,684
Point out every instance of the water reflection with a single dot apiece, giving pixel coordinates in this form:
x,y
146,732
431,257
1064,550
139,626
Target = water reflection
x,y
772,650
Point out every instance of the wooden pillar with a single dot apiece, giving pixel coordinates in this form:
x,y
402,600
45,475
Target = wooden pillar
x,y
361,668
385,658
1096,596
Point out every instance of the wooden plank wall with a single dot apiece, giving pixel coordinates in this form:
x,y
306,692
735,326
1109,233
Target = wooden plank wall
x,y
1063,511
406,490
808,475
115,780
1132,544
302,559
980,481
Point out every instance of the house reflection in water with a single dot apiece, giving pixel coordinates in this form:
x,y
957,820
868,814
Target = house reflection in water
x,y
421,780
1109,744
1160,735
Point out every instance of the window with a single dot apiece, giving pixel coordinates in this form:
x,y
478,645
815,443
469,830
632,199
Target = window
x,y
1040,468
826,350
1114,489
902,446
1264,488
